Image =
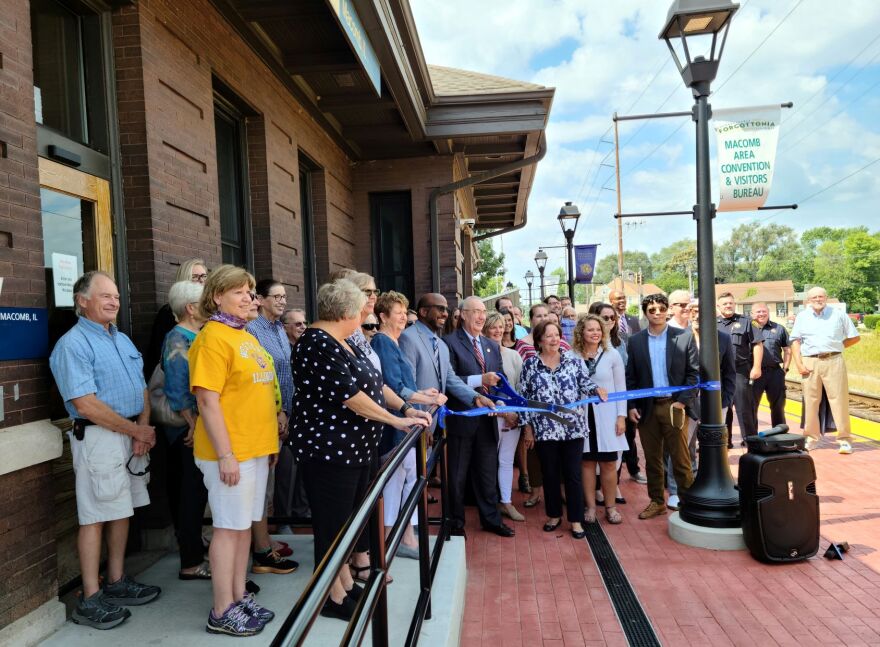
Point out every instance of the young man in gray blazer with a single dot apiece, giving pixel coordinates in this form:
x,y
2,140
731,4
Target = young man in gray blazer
x,y
429,356
662,356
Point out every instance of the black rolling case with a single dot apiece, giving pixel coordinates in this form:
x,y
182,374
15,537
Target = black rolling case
x,y
777,496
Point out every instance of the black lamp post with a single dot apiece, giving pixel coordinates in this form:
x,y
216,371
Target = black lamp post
x,y
712,501
568,222
541,262
530,277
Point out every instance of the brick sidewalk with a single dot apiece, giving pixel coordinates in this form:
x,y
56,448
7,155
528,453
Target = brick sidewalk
x,y
544,589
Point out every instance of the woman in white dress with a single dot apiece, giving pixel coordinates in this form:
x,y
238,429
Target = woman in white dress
x,y
607,420
508,435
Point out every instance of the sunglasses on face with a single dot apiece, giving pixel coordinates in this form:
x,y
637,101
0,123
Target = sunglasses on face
x,y
371,293
657,310
608,317
439,307
298,324
370,327
680,305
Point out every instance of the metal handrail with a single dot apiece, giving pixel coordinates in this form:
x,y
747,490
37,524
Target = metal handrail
x,y
373,605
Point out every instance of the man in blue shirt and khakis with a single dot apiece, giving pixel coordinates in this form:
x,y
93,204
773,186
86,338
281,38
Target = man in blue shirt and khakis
x,y
818,338
99,374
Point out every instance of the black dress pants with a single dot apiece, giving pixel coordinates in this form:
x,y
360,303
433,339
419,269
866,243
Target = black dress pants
x,y
476,453
771,382
562,457
335,492
187,497
744,402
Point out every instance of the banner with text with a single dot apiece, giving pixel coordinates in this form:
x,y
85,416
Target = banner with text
x,y
584,262
746,139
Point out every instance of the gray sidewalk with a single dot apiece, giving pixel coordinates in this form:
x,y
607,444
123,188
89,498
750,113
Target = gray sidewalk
x,y
178,617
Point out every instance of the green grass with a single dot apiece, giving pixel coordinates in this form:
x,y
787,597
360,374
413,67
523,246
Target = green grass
x,y
863,363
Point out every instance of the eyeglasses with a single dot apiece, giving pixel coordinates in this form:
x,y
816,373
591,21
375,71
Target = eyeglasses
x,y
657,310
608,317
278,297
371,293
370,327
299,324
200,278
680,305
146,466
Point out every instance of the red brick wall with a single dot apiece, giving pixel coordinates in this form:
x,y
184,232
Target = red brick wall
x,y
418,176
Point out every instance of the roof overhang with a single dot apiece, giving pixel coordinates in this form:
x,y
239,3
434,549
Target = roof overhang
x,y
421,110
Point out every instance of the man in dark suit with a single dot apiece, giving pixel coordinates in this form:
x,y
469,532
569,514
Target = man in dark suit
x,y
662,356
472,442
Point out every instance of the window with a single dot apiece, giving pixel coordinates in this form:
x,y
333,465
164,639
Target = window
x,y
782,309
69,95
747,310
310,279
232,185
391,224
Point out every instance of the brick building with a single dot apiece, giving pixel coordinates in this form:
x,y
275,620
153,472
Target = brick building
x,y
290,136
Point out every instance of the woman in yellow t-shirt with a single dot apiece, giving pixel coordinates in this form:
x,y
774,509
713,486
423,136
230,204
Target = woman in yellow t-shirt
x,y
235,440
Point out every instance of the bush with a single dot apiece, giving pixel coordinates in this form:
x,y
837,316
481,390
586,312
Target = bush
x,y
871,321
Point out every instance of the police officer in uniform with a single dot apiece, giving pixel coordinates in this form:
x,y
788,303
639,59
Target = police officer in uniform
x,y
749,354
774,366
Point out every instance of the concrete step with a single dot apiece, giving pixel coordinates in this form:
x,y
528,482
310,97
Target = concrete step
x,y
178,617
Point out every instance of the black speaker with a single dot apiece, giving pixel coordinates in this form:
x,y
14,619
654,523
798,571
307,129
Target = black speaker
x,y
780,509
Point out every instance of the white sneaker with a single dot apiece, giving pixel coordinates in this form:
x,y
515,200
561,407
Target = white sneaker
x,y
673,502
844,447
811,444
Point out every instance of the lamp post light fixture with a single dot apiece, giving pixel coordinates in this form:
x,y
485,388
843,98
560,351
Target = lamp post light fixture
x,y
712,501
541,262
530,277
568,221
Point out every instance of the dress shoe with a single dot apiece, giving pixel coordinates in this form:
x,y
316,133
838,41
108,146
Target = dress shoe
x,y
507,510
501,530
578,534
458,531
550,526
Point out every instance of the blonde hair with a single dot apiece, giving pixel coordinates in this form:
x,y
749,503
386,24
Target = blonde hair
x,y
341,299
577,342
386,301
222,279
491,319
185,271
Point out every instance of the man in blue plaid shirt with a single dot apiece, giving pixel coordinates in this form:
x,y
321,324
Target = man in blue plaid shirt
x,y
99,374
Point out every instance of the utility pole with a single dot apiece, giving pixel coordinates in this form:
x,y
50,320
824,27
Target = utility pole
x,y
619,210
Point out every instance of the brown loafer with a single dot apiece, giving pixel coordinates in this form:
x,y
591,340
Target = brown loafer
x,y
654,509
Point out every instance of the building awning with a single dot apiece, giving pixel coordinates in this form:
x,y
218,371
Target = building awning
x,y
419,110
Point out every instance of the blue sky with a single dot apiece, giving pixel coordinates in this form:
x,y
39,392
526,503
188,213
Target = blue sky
x,y
605,57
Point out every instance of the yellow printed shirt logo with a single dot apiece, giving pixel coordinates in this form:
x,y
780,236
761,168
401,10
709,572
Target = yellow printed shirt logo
x,y
249,350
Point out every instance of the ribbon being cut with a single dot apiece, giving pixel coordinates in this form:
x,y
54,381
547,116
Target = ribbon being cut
x,y
513,402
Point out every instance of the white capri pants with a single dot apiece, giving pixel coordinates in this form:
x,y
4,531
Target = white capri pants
x,y
398,489
507,441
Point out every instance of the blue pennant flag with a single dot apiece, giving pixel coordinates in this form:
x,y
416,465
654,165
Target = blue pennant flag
x,y
584,262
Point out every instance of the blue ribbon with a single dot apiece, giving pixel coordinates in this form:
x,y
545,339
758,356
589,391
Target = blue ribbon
x,y
617,396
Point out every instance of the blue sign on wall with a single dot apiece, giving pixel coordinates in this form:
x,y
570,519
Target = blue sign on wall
x,y
24,333
359,41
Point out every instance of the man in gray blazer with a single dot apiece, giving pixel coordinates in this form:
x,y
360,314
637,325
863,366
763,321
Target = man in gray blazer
x,y
661,356
429,356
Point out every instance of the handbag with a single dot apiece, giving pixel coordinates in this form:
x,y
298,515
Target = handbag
x,y
160,411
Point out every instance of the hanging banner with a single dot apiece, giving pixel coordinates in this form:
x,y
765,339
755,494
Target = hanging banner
x,y
746,151
584,262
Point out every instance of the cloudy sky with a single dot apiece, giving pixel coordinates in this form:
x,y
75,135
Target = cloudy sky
x,y
604,57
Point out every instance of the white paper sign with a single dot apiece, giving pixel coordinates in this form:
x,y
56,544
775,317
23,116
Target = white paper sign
x,y
746,139
64,274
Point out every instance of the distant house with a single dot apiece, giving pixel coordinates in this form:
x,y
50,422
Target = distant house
x,y
633,291
780,297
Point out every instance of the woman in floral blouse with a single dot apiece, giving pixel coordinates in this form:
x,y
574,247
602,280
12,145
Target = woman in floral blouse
x,y
551,376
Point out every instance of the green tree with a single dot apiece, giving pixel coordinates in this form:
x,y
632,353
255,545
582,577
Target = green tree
x,y
489,274
679,256
606,268
670,280
738,259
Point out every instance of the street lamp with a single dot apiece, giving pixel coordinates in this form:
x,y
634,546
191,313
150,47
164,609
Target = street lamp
x,y
530,277
712,501
541,262
568,222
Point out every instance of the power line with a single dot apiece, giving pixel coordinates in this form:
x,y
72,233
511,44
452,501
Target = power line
x,y
834,184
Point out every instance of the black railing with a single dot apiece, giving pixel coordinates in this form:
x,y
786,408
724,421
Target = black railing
x,y
373,604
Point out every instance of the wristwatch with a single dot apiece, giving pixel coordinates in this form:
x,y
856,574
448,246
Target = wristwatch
x,y
406,407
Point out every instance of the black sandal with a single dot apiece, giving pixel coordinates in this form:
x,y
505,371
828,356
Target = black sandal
x,y
550,527
356,573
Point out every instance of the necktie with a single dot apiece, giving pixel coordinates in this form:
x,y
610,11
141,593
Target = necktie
x,y
624,327
480,359
435,345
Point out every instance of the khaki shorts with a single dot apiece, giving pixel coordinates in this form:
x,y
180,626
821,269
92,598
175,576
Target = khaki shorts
x,y
105,490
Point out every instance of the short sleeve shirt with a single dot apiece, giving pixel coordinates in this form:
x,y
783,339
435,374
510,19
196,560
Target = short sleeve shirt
x,y
775,339
326,375
744,336
824,332
232,363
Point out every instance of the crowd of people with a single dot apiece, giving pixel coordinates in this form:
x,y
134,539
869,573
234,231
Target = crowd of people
x,y
261,410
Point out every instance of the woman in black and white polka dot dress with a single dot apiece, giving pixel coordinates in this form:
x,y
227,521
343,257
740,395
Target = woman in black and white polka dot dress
x,y
338,412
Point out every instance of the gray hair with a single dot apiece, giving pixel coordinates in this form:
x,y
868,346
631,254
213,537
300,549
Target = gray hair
x,y
341,299
362,280
182,294
291,311
83,286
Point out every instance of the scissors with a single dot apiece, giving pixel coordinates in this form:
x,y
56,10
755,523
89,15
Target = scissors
x,y
506,394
